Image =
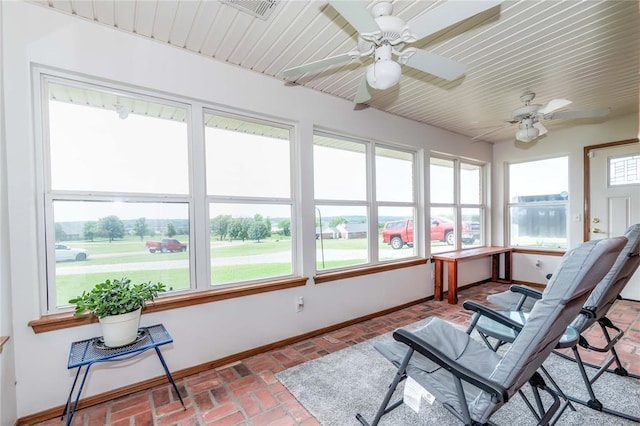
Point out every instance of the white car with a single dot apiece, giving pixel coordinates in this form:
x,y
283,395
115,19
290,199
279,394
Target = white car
x,y
69,253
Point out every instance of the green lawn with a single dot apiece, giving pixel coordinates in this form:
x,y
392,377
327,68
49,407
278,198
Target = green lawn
x,y
248,247
125,245
69,286
132,250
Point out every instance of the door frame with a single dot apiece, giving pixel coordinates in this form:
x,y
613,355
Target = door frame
x,y
587,180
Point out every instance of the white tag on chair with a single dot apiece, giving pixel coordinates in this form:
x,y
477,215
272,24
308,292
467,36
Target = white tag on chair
x,y
413,393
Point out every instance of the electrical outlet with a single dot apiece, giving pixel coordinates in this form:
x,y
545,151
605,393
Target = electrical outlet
x,y
300,304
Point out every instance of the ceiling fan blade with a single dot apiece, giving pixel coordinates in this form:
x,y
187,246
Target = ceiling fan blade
x,y
322,63
356,14
479,137
553,105
365,92
592,113
432,63
543,130
446,15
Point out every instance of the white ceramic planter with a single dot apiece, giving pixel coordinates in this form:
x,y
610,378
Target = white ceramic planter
x,y
120,330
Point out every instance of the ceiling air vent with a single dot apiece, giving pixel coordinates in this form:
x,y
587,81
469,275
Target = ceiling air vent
x,y
258,8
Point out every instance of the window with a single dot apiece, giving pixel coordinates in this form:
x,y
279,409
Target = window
x,y
624,170
538,203
346,171
131,179
248,170
457,203
118,179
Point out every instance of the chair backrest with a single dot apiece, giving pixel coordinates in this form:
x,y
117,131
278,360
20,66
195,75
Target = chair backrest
x,y
606,292
578,273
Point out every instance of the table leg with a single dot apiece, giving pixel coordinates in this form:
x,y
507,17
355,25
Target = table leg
x,y
72,408
495,268
169,376
507,266
437,279
73,386
452,282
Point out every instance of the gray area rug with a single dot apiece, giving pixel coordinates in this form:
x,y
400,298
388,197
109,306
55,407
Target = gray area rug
x,y
354,380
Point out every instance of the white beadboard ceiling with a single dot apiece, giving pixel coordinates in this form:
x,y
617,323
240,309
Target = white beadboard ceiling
x,y
584,51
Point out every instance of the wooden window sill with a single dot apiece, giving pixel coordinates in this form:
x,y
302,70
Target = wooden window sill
x,y
356,272
542,252
67,319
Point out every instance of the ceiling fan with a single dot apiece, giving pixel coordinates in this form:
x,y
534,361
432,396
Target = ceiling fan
x,y
528,117
382,35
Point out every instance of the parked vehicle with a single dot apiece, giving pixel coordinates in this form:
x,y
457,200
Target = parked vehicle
x,y
64,252
165,246
397,233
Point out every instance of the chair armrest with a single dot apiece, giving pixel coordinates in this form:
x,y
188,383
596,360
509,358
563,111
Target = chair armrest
x,y
424,348
527,291
496,316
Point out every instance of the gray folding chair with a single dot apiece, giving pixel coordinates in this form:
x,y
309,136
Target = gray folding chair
x,y
470,379
594,311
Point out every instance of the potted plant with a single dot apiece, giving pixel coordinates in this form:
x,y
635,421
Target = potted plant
x,y
117,303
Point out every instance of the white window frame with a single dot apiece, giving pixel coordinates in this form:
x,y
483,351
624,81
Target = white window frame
x,y
509,204
196,198
230,199
457,206
371,203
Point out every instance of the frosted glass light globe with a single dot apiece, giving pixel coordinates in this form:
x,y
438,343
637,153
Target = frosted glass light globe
x,y
383,74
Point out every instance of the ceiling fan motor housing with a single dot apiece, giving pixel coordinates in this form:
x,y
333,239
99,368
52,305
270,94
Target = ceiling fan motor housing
x,y
526,111
392,29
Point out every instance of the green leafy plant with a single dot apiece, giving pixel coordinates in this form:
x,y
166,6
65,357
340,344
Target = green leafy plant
x,y
114,297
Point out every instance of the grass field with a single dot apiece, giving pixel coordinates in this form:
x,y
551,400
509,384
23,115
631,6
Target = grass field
x,y
172,268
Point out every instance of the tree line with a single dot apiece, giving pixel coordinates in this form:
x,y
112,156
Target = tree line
x,y
245,228
112,227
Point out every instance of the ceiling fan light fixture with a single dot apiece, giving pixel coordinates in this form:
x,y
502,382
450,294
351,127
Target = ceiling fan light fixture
x,y
383,74
527,134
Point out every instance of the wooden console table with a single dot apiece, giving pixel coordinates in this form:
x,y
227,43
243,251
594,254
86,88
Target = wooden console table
x,y
452,259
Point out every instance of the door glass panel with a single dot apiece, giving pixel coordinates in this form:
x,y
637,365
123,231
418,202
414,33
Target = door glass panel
x,y
624,170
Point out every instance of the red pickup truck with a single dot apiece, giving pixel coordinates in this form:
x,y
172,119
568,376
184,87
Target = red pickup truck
x,y
397,233
166,245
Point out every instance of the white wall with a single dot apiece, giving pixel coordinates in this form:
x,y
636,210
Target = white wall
x,y
7,366
570,141
533,268
204,332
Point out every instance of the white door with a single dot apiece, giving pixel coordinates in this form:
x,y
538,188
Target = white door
x,y
614,206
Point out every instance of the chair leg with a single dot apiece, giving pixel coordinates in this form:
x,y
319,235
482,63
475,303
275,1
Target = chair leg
x,y
593,402
385,407
537,383
606,323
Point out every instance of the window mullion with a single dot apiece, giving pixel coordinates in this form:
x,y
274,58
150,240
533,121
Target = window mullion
x,y
373,206
199,211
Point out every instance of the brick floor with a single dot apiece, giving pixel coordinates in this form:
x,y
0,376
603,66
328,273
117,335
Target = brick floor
x,y
247,392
